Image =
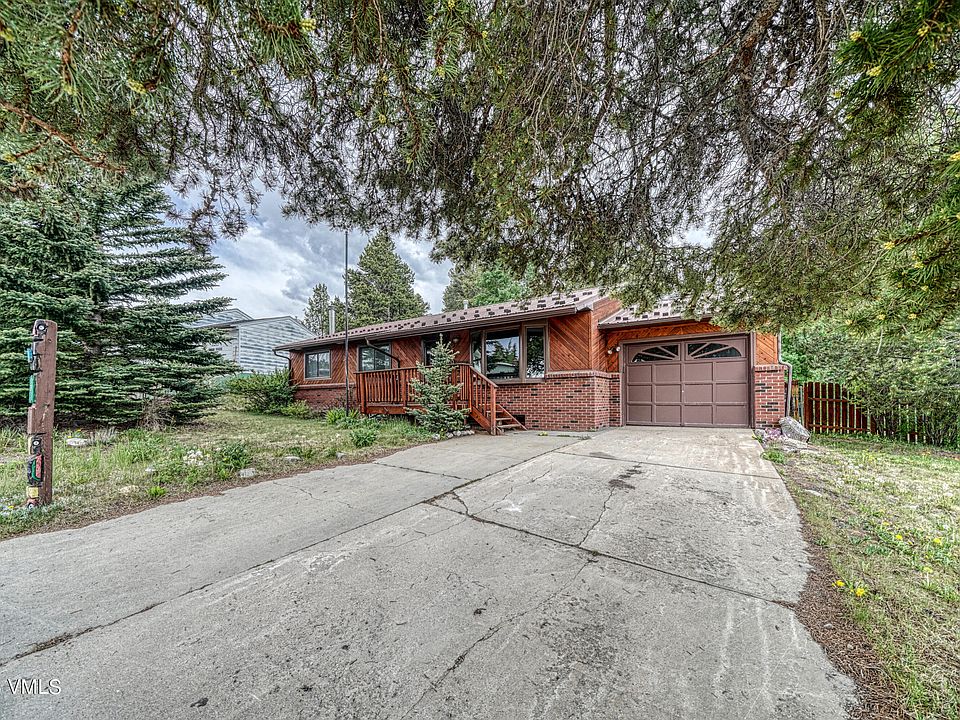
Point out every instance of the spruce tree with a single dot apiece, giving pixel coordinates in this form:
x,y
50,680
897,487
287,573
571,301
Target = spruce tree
x,y
381,286
316,316
434,392
461,288
339,312
104,265
477,284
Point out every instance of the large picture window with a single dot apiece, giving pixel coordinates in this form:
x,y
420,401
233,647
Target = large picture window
x,y
316,365
374,357
517,353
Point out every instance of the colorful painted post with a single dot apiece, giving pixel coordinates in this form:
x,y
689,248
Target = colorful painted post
x,y
42,355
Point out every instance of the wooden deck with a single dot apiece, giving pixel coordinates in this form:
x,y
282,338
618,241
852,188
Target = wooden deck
x,y
388,392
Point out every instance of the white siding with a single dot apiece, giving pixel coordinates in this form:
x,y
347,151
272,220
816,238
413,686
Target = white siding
x,y
259,337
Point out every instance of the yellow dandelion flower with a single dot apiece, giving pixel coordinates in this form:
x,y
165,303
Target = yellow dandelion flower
x,y
912,316
955,157
881,316
840,584
898,536
856,35
938,541
874,71
890,245
484,33
860,592
382,118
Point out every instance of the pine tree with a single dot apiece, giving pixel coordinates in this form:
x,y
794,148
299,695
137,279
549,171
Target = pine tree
x,y
381,286
461,288
477,284
434,393
102,263
316,316
339,312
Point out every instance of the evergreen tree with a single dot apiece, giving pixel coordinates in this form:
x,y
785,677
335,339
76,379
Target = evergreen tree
x,y
102,263
316,316
461,288
339,311
476,284
381,286
435,393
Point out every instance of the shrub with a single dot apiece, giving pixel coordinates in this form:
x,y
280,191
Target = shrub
x,y
298,409
364,436
340,418
777,457
156,492
263,393
232,457
435,392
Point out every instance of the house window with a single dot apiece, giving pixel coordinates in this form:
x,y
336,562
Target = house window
x,y
712,350
510,354
316,365
374,357
654,354
429,343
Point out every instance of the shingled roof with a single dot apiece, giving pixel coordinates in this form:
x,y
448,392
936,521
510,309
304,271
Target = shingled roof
x,y
667,308
547,306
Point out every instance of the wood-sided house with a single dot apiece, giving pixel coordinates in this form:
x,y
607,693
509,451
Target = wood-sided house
x,y
568,361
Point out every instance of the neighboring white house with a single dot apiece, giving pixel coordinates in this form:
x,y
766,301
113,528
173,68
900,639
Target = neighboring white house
x,y
250,341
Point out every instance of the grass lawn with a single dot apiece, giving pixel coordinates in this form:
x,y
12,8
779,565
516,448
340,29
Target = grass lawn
x,y
126,471
888,516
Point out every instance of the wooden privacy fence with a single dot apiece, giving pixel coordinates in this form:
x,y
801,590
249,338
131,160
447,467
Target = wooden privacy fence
x,y
824,407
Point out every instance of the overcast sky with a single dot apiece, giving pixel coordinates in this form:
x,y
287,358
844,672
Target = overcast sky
x,y
274,266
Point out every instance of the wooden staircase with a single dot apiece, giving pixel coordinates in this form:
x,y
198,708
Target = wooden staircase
x,y
383,392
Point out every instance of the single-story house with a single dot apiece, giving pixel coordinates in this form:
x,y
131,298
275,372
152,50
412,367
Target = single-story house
x,y
577,361
249,342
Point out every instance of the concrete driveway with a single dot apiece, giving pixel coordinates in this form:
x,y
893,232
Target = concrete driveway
x,y
636,573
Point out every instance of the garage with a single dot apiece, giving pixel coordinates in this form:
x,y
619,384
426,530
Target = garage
x,y
702,382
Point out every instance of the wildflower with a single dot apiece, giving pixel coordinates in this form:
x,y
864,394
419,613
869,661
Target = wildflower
x,y
955,157
308,25
927,569
136,86
881,316
918,264
898,536
912,316
6,34
874,71
923,30
484,34
938,541
840,584
451,3
860,592
849,321
856,35
924,288
890,245
9,158
382,118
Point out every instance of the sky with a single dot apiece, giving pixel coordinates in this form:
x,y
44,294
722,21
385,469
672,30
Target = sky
x,y
273,267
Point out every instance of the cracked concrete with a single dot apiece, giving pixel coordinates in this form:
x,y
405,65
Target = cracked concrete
x,y
571,580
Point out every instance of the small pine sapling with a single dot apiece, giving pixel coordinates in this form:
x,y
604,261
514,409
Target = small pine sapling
x,y
434,393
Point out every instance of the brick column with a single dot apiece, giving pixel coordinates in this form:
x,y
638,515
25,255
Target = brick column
x,y
769,395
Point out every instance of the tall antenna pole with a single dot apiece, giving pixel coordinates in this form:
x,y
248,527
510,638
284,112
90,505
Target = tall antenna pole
x,y
346,317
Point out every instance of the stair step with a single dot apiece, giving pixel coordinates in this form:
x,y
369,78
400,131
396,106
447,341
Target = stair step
x,y
510,426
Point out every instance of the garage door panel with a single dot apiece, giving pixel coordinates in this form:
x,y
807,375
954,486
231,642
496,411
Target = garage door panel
x,y
698,393
731,393
690,382
667,394
731,371
698,372
667,372
731,415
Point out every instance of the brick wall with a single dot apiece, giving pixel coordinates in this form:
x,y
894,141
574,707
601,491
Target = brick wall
x,y
572,400
615,413
325,396
769,395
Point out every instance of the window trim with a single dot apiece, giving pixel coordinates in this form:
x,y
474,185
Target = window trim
x,y
521,329
306,364
388,353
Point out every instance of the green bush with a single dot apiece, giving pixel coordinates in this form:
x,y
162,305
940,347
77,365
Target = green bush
x,y
341,418
364,436
156,492
298,409
232,457
263,393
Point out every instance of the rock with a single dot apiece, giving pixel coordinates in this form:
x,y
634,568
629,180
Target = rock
x,y
148,471
78,442
813,492
127,489
291,458
248,473
435,436
792,430
341,455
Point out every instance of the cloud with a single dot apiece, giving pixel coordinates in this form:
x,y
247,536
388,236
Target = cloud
x,y
273,267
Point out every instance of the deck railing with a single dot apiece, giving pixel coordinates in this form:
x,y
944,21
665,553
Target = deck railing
x,y
389,391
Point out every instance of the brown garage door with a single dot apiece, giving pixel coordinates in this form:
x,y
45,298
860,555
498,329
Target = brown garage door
x,y
688,382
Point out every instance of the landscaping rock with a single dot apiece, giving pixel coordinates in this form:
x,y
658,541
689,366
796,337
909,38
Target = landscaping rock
x,y
128,489
792,430
248,473
291,458
78,442
341,455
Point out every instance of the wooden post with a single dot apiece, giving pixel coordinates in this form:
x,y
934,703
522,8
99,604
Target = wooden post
x,y
493,410
42,355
